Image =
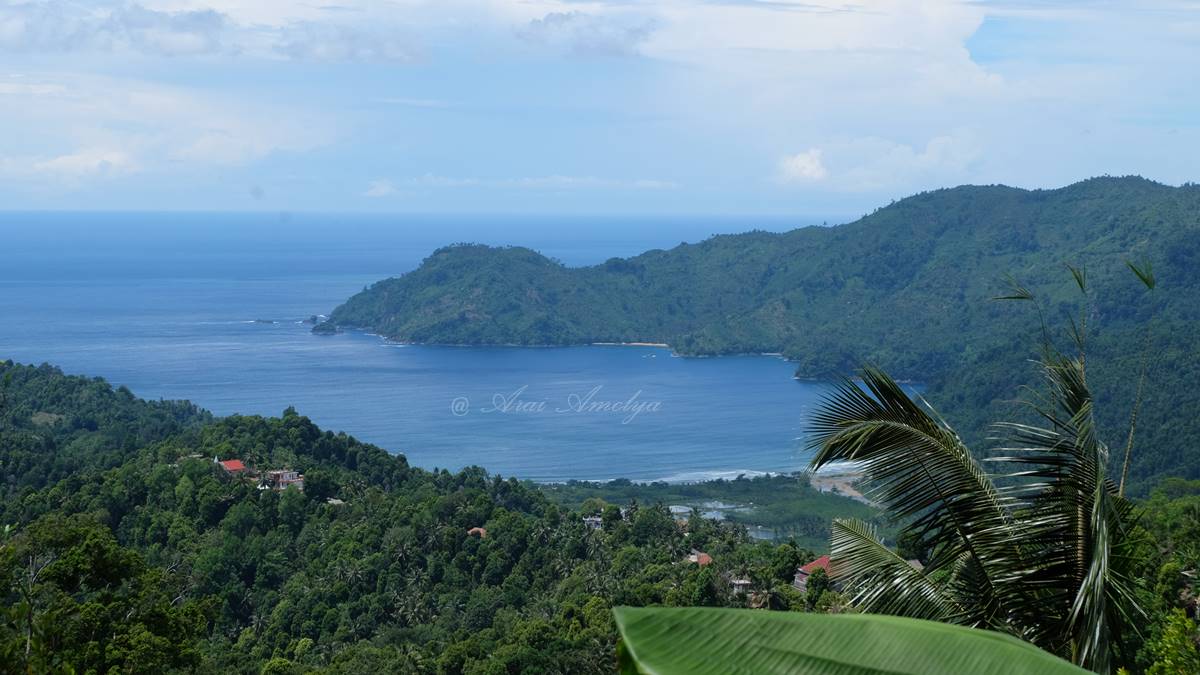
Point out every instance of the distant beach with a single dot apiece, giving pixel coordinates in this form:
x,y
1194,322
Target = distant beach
x,y
840,478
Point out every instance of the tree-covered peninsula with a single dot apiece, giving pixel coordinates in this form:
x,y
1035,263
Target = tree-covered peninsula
x,y
907,287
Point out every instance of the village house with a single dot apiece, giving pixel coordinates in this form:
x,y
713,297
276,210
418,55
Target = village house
x,y
593,522
800,580
739,586
699,558
282,479
233,467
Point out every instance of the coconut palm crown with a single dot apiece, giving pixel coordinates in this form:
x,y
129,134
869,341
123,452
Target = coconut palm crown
x,y
1041,549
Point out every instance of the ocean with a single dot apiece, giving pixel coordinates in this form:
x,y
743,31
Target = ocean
x,y
210,308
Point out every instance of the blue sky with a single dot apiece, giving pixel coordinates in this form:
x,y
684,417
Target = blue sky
x,y
569,106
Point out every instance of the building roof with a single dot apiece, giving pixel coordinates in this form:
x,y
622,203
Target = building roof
x,y
819,563
477,531
233,465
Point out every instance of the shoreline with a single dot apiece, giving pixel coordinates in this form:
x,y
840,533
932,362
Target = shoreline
x,y
837,480
660,345
910,382
840,483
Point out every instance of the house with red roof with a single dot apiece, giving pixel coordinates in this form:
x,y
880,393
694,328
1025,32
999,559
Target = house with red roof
x,y
800,581
233,467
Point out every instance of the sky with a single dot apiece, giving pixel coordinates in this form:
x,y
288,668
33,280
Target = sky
x,y
578,107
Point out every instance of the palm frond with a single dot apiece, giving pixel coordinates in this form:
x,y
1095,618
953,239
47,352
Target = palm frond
x,y
882,582
1015,290
1071,513
1044,557
1044,549
1080,276
1144,272
916,467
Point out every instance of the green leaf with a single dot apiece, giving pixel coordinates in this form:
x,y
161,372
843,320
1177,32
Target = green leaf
x,y
1080,276
880,581
699,640
1016,290
1144,272
916,467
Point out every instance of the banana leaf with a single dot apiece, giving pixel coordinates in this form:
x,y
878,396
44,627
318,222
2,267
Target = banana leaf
x,y
700,640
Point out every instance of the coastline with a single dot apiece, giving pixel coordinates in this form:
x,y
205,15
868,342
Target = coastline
x,y
838,479
841,480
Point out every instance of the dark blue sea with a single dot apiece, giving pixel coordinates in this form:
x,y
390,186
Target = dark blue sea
x,y
209,307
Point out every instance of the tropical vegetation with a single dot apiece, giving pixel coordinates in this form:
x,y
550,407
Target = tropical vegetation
x,y
125,548
1047,550
776,506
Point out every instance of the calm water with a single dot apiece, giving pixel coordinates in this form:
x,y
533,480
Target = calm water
x,y
208,308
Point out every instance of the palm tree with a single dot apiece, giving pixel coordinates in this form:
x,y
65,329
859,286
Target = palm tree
x,y
1041,550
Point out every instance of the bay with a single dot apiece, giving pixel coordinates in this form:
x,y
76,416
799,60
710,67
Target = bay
x,y
211,308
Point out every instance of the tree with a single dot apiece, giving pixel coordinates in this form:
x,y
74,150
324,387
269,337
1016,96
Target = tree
x,y
701,588
319,485
610,517
1042,551
1175,650
818,582
77,601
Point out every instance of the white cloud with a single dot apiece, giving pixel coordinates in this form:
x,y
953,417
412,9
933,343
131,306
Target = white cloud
x,y
58,26
879,96
589,34
87,162
380,188
76,127
334,43
804,167
874,164
168,33
28,89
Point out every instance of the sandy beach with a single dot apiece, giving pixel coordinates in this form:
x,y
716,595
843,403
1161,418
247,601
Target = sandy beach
x,y
842,481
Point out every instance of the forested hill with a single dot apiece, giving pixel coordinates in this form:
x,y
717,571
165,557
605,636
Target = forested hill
x,y
908,287
125,548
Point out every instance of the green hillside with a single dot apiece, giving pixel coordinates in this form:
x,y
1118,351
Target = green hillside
x,y
907,287
125,548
